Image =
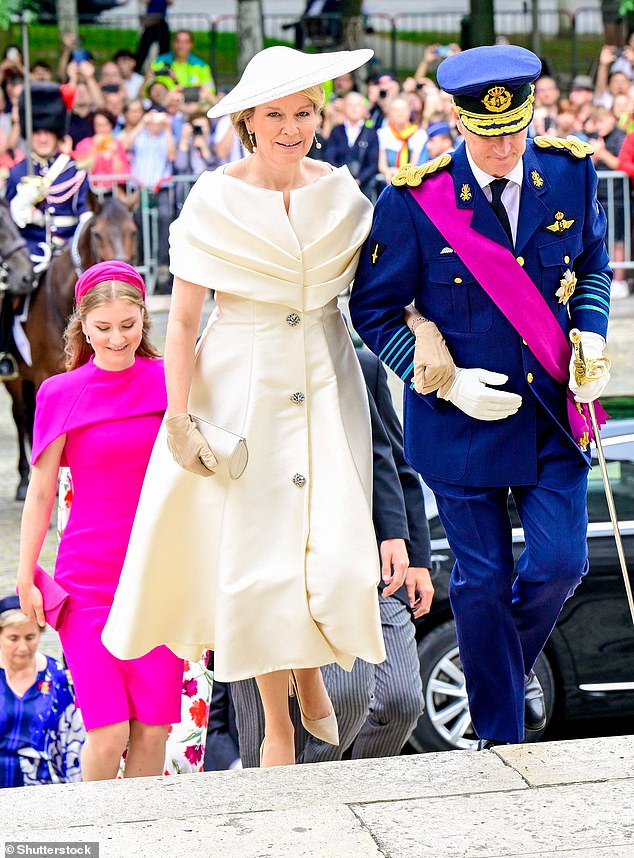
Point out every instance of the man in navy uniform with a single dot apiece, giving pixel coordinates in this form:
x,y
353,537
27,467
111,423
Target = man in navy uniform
x,y
500,247
47,205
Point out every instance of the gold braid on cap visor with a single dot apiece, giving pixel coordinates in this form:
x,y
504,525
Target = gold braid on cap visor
x,y
491,126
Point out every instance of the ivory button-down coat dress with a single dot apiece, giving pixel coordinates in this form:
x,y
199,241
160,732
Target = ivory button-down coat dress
x,y
279,568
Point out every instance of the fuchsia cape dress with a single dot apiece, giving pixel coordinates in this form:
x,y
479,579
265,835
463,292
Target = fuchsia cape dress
x,y
110,420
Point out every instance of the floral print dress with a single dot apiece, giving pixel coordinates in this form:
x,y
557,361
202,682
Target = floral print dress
x,y
41,733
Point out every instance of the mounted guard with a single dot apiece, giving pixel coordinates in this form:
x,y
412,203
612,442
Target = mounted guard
x,y
47,196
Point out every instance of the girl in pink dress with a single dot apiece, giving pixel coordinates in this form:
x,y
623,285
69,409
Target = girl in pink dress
x,y
101,419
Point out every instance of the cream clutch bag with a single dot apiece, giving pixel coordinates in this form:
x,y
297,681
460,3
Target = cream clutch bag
x,y
229,449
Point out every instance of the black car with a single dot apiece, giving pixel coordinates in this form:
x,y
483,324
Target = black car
x,y
587,666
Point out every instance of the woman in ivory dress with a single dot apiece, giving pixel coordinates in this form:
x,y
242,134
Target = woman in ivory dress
x,y
275,571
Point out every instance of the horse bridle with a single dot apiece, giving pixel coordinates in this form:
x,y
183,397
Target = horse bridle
x,y
5,253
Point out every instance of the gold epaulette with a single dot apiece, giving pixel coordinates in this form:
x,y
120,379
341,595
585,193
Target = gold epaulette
x,y
413,176
571,144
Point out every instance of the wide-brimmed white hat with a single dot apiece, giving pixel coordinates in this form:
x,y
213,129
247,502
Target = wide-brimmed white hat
x,y
279,71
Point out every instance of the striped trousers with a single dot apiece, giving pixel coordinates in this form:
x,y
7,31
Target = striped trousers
x,y
377,706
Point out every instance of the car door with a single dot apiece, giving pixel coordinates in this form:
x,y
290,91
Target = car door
x,y
596,624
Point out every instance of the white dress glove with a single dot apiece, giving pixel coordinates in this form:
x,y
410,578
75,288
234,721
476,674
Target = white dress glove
x,y
593,346
469,393
21,206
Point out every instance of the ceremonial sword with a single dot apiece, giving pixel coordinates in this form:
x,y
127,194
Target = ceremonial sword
x,y
590,369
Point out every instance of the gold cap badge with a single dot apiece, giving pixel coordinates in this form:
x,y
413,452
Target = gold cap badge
x,y
497,99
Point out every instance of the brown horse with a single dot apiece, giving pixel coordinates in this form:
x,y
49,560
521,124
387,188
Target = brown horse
x,y
109,234
16,268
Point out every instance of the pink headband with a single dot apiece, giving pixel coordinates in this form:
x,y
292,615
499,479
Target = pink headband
x,y
103,271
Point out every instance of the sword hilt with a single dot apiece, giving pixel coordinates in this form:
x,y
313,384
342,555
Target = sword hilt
x,y
586,369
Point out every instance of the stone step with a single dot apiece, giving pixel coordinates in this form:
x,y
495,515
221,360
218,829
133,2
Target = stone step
x,y
550,799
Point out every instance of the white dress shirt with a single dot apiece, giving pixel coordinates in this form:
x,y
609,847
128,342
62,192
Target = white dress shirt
x,y
353,131
510,194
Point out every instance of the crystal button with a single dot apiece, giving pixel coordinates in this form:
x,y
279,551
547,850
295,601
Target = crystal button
x,y
298,397
299,480
293,319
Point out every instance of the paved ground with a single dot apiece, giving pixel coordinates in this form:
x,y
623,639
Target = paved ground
x,y
554,800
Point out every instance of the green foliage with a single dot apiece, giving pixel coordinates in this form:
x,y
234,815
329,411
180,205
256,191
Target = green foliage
x,y
557,49
220,49
619,407
103,42
11,9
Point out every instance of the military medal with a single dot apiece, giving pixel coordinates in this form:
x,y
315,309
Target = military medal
x,y
567,286
560,224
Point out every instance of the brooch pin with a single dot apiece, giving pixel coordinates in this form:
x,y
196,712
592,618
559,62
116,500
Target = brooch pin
x,y
567,286
537,179
560,224
465,193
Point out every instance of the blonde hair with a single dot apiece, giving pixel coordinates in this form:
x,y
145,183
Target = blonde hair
x,y
13,617
76,349
315,94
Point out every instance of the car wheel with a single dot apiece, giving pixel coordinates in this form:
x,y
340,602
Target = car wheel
x,y
445,725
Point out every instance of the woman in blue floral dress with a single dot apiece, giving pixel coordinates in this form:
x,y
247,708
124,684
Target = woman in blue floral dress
x,y
41,731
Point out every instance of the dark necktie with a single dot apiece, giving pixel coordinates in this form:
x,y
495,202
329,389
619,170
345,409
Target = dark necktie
x,y
497,186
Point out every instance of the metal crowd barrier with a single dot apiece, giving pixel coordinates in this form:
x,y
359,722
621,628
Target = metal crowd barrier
x,y
615,196
146,213
614,193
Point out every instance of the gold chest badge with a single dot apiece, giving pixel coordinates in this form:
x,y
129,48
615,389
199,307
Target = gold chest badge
x,y
536,179
377,250
560,224
497,99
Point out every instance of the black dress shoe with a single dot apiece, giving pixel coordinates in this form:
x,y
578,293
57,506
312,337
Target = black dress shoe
x,y
485,744
534,705
8,367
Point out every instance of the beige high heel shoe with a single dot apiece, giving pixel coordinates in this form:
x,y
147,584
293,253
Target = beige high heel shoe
x,y
326,728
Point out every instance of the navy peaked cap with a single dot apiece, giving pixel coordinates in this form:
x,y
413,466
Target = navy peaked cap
x,y
469,72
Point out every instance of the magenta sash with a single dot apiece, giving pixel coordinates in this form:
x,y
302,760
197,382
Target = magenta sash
x,y
505,281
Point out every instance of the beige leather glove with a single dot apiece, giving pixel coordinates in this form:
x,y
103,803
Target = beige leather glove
x,y
434,368
188,447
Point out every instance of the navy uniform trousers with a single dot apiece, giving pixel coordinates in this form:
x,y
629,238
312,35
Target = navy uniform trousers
x,y
502,620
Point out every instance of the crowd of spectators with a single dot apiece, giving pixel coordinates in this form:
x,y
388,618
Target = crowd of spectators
x,y
141,126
